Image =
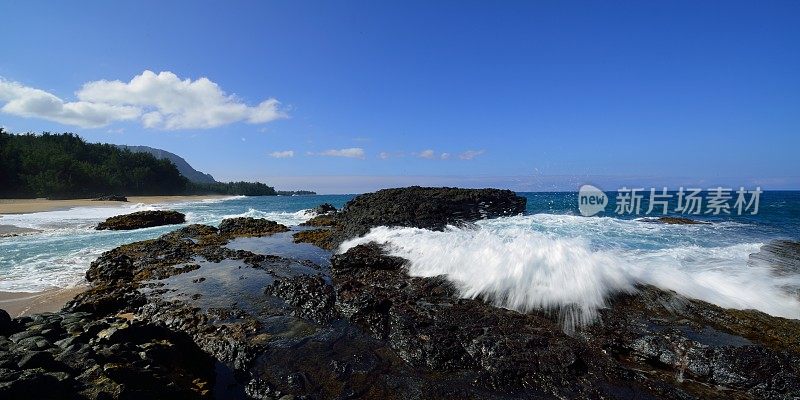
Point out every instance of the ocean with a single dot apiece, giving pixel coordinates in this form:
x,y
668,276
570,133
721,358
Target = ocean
x,y
551,257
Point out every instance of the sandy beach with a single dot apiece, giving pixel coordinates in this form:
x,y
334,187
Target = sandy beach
x,y
25,206
25,303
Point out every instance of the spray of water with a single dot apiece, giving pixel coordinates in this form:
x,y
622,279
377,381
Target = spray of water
x,y
521,264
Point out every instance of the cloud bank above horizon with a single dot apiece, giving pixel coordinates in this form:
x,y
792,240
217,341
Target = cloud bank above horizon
x,y
159,101
352,152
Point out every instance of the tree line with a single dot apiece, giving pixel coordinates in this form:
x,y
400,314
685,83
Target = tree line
x,y
64,165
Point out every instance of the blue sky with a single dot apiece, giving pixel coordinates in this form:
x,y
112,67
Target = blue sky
x,y
525,95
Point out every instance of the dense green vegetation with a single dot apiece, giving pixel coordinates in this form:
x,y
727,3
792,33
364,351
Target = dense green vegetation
x,y
65,166
233,188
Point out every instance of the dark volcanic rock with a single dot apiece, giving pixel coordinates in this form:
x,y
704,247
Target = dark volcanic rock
x,y
701,346
111,198
324,208
101,358
430,327
6,326
311,297
318,237
648,344
246,226
327,220
142,219
325,216
429,208
677,221
421,207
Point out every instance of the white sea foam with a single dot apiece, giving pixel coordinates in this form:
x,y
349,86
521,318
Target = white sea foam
x,y
77,217
58,256
199,202
48,271
572,264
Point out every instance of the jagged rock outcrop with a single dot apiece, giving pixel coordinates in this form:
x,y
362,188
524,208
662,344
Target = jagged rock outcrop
x,y
6,325
76,355
677,221
142,219
317,237
246,226
324,208
649,343
423,207
112,198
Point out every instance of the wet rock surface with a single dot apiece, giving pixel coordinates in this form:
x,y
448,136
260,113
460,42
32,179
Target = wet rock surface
x,y
141,219
322,227
112,198
317,237
246,226
422,207
203,312
323,220
78,355
710,351
651,343
324,208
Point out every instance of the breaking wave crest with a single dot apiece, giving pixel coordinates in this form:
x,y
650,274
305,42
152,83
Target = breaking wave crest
x,y
572,265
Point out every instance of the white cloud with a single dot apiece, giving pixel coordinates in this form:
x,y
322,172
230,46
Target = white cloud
x,y
429,154
470,154
28,102
385,155
173,103
445,156
157,100
353,152
282,154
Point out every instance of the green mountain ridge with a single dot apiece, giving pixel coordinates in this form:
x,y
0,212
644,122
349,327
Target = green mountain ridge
x,y
59,166
183,166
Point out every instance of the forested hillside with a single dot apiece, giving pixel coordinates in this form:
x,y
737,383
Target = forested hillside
x,y
66,166
184,168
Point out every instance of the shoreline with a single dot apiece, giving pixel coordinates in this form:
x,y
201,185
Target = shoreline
x,y
28,206
18,304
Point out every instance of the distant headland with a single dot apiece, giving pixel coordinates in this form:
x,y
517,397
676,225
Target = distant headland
x,y
65,166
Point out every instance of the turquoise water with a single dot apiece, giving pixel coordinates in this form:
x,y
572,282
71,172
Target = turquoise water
x,y
61,253
549,257
778,216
